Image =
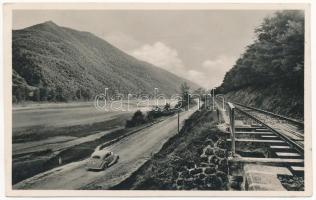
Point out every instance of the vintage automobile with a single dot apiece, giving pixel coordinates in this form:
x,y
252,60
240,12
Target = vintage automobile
x,y
101,159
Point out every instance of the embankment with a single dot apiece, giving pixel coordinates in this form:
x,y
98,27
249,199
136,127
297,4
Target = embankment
x,y
273,98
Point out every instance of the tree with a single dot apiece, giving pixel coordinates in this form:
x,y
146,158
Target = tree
x,y
51,94
78,94
43,93
167,107
36,95
60,94
185,95
277,55
137,119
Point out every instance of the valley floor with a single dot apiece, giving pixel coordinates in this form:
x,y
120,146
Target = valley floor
x,y
134,150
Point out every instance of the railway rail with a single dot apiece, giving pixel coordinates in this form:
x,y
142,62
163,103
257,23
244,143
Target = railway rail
x,y
290,130
282,137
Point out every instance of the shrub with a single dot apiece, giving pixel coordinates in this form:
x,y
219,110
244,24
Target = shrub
x,y
137,119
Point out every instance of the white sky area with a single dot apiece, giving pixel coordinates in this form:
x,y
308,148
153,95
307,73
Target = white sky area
x,y
199,45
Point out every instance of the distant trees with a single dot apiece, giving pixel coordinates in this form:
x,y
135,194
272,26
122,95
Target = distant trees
x,y
19,94
277,55
22,93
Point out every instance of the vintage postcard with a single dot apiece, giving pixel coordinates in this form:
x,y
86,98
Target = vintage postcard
x,y
157,99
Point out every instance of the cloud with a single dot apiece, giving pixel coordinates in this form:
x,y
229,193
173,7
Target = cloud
x,y
209,74
161,55
217,68
212,71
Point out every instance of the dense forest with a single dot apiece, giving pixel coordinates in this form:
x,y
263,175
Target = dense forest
x,y
53,63
273,65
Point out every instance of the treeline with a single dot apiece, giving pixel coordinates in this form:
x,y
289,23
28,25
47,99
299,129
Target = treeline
x,y
276,56
24,93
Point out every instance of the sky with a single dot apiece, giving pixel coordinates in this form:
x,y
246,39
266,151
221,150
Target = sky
x,y
198,45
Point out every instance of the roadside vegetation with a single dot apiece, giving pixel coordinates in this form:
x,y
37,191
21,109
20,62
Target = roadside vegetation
x,y
157,112
140,118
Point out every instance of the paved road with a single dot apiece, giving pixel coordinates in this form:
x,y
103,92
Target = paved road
x,y
134,151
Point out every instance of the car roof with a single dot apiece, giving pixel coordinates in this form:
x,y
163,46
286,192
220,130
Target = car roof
x,y
100,153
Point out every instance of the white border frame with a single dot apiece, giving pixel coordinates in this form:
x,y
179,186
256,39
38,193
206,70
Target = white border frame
x,y
7,25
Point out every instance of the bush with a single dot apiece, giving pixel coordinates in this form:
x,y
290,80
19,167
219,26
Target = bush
x,y
137,119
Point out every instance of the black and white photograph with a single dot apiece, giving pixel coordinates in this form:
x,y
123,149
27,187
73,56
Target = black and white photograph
x,y
166,99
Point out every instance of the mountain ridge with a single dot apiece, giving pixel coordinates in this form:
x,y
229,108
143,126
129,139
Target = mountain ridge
x,y
54,63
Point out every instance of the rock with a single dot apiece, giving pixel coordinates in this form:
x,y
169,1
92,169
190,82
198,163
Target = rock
x,y
195,171
221,144
180,168
200,151
210,170
212,165
209,151
185,174
222,165
190,164
202,176
213,159
204,159
221,153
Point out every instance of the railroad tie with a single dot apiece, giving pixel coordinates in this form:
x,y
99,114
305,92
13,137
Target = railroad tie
x,y
287,155
297,170
269,136
280,148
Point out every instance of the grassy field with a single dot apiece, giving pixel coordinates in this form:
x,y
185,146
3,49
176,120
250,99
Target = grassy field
x,y
39,121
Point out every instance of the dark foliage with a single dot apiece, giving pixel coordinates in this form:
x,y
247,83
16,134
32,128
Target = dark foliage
x,y
277,55
137,119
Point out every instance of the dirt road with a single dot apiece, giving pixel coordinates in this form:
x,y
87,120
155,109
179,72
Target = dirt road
x,y
133,151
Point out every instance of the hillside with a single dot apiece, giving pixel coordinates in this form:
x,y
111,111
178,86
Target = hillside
x,y
53,63
270,73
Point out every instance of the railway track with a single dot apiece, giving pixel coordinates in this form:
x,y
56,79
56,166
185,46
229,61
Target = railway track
x,y
281,136
289,130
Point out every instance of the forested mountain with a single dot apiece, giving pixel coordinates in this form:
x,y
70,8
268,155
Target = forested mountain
x,y
53,63
270,73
